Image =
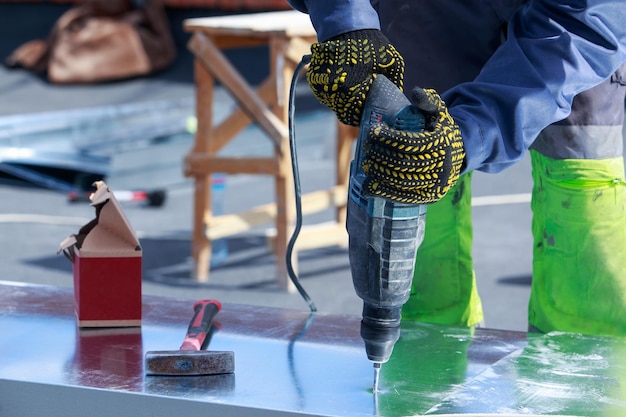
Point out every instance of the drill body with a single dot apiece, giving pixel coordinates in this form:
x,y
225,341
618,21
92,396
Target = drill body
x,y
383,235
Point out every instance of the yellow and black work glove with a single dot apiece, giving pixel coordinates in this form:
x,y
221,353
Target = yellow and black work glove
x,y
343,68
415,167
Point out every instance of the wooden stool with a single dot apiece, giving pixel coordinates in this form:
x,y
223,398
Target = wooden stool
x,y
289,35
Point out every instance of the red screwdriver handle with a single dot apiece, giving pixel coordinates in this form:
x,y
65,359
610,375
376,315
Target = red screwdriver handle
x,y
204,312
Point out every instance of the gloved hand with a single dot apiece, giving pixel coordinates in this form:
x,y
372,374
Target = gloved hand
x,y
342,70
415,167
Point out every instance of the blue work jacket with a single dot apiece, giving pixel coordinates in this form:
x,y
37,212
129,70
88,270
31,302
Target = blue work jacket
x,y
554,50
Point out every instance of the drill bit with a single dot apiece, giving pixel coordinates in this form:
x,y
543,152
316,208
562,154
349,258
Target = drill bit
x,y
377,366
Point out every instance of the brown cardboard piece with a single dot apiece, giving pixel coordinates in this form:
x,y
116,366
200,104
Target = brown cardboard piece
x,y
106,257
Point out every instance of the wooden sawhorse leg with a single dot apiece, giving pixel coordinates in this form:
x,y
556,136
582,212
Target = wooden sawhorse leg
x,y
270,112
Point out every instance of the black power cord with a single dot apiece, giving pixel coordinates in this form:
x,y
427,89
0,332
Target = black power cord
x,y
296,180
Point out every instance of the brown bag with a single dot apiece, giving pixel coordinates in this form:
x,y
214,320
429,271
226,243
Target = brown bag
x,y
101,40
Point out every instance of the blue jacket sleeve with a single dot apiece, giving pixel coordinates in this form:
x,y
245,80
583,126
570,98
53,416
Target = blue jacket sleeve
x,y
554,50
331,18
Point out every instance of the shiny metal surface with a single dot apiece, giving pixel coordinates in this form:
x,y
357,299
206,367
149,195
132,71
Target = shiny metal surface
x,y
290,363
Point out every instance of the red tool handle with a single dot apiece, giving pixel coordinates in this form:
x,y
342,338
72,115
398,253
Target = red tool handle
x,y
205,311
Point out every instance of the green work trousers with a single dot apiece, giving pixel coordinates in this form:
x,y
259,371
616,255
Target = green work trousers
x,y
579,254
444,287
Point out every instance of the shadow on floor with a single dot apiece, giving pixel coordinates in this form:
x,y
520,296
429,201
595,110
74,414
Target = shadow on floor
x,y
167,261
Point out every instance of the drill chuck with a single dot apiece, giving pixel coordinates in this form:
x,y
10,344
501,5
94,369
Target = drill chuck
x,y
383,235
380,330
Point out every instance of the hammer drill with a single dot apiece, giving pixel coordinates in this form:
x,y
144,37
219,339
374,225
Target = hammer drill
x,y
383,235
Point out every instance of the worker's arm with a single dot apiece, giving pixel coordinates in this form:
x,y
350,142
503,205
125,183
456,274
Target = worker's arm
x,y
334,17
555,50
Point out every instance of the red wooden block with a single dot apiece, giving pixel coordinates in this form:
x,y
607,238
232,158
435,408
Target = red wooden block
x,y
107,291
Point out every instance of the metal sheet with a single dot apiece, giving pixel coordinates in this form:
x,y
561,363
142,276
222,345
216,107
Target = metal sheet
x,y
557,373
290,363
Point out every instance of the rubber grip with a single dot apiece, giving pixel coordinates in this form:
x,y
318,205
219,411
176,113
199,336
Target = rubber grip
x,y
204,313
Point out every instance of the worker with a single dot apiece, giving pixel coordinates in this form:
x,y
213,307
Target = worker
x,y
553,52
